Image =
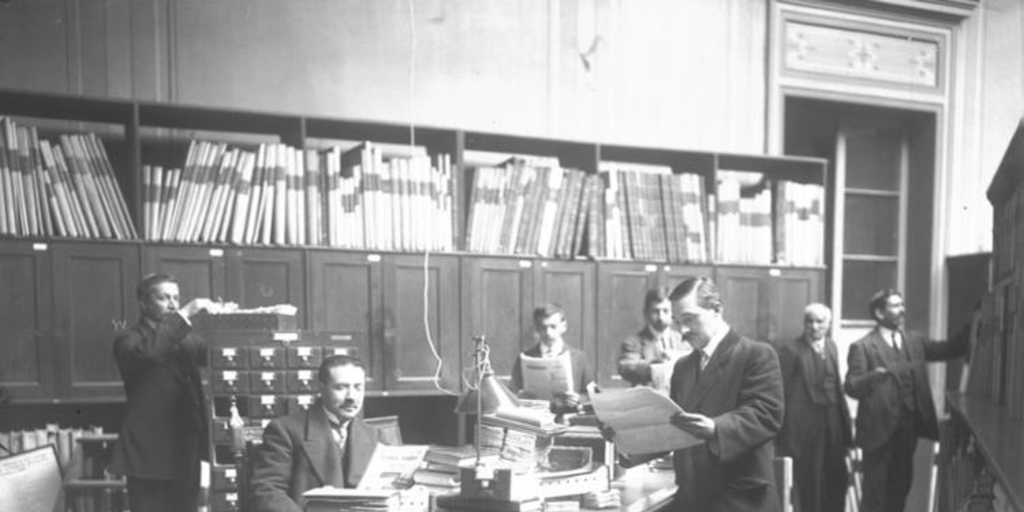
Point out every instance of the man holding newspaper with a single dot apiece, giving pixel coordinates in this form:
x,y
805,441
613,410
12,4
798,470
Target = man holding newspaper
x,y
726,407
552,370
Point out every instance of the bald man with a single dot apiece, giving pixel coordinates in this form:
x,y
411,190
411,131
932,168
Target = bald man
x,y
816,428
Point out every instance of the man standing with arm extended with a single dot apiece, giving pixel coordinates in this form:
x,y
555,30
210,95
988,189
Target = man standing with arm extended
x,y
163,436
816,430
888,375
657,343
325,445
730,390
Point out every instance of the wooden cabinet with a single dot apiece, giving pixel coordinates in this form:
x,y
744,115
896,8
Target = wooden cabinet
x,y
345,297
199,270
93,297
765,303
621,287
26,316
266,277
572,285
498,302
252,277
410,364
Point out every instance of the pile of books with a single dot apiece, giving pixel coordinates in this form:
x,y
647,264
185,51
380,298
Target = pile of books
x,y
333,499
440,472
65,188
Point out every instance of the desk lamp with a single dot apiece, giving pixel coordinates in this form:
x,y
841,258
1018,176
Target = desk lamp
x,y
484,396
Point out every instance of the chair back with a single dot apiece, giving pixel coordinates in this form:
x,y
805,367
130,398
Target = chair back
x,y
389,428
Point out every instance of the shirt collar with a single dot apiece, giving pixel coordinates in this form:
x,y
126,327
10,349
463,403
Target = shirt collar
x,y
886,333
713,343
556,348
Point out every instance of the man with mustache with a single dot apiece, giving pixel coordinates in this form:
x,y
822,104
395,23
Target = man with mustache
x,y
327,444
888,375
656,343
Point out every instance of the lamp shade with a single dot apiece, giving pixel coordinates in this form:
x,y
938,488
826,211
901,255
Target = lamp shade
x,y
492,394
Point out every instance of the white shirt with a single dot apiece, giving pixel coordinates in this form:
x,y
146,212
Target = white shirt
x,y
887,335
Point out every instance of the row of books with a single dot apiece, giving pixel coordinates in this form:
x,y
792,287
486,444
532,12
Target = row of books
x,y
281,195
653,214
63,188
67,445
765,222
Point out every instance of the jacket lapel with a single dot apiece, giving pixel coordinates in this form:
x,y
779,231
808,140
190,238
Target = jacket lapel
x,y
712,374
806,356
321,450
885,351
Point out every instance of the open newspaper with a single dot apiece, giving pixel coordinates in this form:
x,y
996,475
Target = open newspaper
x,y
640,418
544,377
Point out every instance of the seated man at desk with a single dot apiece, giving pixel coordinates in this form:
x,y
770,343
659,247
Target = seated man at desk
x,y
549,327
327,444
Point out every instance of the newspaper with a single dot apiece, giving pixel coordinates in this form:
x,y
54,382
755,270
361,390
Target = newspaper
x,y
392,467
30,481
544,377
640,418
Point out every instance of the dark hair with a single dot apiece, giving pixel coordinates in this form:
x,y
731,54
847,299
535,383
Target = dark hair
x,y
150,281
656,296
545,310
707,293
332,362
879,299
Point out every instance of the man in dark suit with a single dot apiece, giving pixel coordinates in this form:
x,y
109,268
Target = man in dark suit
x,y
163,436
658,343
887,374
327,444
730,389
816,430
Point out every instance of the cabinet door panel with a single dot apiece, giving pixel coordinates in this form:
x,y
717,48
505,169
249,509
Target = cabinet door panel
x,y
409,362
345,297
792,291
94,293
497,302
745,300
266,277
26,369
571,284
199,270
620,300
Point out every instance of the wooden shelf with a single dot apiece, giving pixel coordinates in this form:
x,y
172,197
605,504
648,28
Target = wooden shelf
x,y
1000,439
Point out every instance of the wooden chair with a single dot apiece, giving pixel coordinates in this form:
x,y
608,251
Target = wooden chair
x,y
389,428
784,482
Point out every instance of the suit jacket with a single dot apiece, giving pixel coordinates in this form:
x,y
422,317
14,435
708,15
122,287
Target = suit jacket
x,y
879,396
299,453
741,390
163,435
640,350
803,417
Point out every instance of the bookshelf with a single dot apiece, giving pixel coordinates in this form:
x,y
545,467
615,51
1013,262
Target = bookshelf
x,y
372,293
982,448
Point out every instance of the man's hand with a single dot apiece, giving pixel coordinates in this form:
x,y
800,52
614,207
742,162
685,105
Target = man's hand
x,y
197,305
607,432
879,373
562,401
700,426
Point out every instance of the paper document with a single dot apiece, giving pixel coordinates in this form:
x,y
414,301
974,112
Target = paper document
x,y
390,466
640,418
544,377
661,376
